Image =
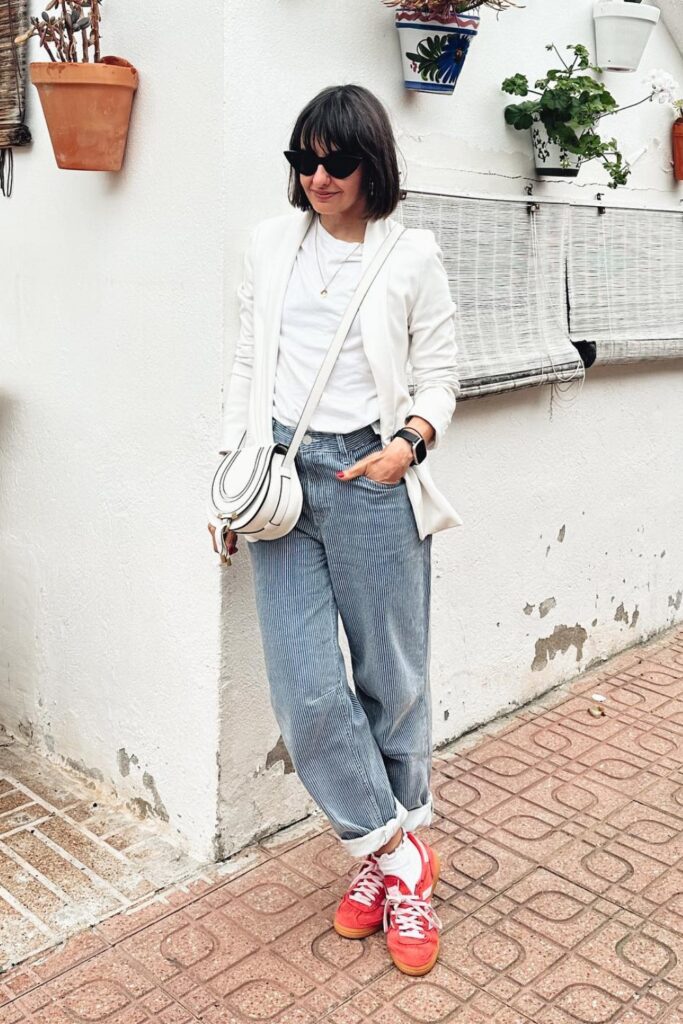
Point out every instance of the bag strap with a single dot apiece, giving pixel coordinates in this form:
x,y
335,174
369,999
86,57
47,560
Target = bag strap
x,y
339,339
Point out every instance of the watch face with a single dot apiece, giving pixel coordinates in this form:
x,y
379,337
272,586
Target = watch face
x,y
420,450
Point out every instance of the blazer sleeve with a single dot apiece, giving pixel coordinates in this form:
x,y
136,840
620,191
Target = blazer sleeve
x,y
433,348
236,402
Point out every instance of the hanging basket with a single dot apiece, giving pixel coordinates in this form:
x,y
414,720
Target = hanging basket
x,y
622,31
677,146
87,108
552,160
433,50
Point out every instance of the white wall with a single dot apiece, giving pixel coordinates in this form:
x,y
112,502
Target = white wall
x,y
126,650
111,323
570,549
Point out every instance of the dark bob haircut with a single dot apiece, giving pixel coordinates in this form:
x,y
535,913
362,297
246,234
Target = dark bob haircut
x,y
351,118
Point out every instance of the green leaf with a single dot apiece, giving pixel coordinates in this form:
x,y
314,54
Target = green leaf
x,y
517,85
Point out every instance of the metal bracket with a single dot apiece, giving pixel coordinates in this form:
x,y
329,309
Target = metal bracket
x,y
602,210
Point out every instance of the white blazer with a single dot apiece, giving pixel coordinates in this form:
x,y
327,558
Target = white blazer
x,y
406,316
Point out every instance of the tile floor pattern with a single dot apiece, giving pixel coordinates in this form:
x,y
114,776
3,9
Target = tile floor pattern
x,y
561,836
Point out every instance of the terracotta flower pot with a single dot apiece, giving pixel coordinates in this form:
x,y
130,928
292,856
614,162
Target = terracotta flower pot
x,y
677,146
87,110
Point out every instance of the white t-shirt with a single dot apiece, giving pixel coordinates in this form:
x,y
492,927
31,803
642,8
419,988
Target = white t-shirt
x,y
309,322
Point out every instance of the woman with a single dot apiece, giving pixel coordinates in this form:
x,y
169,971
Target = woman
x,y
362,545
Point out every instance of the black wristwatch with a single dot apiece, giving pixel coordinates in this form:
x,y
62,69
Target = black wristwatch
x,y
417,442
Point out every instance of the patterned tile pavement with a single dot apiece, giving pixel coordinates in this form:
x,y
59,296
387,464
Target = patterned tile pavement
x,y
561,836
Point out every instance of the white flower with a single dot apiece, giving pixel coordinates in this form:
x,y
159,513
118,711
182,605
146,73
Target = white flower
x,y
662,85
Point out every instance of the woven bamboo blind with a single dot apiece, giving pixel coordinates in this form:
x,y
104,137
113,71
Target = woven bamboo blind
x,y
507,271
13,131
625,274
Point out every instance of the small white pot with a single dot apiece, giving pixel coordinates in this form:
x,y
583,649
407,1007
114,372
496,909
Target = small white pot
x,y
622,31
552,161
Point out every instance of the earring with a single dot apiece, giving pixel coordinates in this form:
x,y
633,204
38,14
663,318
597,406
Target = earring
x,y
372,188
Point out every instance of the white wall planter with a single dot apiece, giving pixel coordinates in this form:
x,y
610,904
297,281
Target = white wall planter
x,y
622,31
433,50
552,161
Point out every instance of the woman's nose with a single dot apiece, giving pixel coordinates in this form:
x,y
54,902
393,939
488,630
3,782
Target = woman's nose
x,y
321,177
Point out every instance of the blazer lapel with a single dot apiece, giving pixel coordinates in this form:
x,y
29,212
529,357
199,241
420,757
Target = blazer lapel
x,y
373,323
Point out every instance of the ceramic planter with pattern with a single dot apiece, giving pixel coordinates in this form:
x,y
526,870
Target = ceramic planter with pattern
x,y
434,49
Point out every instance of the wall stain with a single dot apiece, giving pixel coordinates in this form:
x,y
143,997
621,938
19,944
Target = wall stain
x,y
528,608
125,760
80,766
621,615
560,640
560,535
546,606
675,602
137,804
280,753
159,808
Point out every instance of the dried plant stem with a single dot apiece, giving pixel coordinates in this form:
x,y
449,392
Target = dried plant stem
x,y
95,22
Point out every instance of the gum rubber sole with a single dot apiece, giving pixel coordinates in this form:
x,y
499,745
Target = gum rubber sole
x,y
415,972
356,933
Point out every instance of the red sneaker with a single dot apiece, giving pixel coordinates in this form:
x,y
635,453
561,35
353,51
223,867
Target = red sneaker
x,y
410,921
361,911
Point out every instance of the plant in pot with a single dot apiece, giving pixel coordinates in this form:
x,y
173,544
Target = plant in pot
x,y
86,101
565,114
677,139
622,31
435,37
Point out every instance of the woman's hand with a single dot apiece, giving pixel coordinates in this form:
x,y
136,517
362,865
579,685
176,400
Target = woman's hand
x,y
230,541
385,467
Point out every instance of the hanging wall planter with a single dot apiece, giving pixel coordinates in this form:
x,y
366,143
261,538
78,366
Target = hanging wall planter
x,y
435,37
434,49
552,160
622,31
86,98
87,109
677,146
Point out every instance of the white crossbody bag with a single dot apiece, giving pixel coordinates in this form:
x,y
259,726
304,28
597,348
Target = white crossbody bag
x,y
256,489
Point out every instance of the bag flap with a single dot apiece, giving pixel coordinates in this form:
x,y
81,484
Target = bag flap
x,y
241,477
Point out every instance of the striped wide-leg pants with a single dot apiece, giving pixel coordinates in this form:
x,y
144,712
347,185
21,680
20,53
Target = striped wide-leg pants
x,y
363,754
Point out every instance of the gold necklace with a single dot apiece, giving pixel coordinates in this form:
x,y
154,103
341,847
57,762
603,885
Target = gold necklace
x,y
326,285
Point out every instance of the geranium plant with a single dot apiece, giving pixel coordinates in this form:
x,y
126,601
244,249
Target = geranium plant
x,y
570,104
446,8
62,33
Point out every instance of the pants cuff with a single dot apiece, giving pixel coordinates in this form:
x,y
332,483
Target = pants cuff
x,y
361,846
419,816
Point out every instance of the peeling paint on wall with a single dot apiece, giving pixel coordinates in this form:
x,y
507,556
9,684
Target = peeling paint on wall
x,y
560,640
675,602
84,769
280,753
560,535
528,608
546,606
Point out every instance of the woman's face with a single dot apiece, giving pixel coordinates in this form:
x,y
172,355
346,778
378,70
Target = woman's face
x,y
334,196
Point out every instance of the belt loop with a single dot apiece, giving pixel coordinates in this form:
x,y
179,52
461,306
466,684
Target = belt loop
x,y
341,441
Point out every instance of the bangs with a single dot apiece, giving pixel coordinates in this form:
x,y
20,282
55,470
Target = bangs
x,y
332,127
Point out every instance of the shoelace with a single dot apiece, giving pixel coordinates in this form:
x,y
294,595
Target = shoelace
x,y
409,913
367,884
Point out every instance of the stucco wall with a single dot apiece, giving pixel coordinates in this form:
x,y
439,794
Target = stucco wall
x,y
111,324
126,650
570,549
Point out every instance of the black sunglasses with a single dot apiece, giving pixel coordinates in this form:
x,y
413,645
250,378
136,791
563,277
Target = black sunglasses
x,y
336,163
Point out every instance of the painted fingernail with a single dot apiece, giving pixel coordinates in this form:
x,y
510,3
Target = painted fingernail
x,y
340,474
